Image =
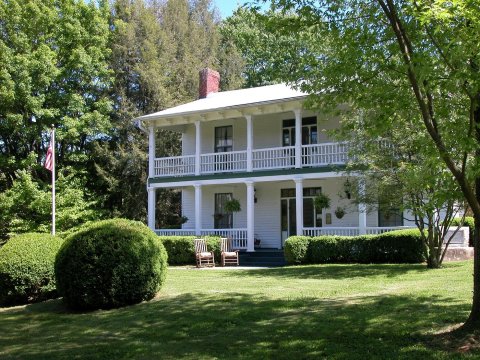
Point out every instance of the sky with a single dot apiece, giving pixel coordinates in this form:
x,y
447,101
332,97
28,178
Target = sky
x,y
227,7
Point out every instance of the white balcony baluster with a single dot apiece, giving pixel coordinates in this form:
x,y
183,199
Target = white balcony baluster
x,y
175,166
175,232
338,231
324,154
262,159
232,161
274,158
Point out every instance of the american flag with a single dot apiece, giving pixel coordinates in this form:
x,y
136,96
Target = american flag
x,y
49,159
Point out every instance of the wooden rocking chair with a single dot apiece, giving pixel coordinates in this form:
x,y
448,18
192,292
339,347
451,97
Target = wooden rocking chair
x,y
202,255
228,255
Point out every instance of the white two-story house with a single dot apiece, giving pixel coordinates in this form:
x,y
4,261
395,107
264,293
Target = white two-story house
x,y
261,147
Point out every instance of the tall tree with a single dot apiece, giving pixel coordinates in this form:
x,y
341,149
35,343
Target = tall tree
x,y
402,173
158,49
264,52
53,70
387,56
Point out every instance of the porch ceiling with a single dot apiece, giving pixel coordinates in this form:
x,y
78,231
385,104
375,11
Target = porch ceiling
x,y
257,176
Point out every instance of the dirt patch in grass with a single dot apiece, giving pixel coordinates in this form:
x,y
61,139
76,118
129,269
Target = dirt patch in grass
x,y
455,339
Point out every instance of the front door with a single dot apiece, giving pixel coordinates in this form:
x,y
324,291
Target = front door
x,y
311,217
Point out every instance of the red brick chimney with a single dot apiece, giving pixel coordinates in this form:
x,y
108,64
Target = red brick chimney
x,y
209,82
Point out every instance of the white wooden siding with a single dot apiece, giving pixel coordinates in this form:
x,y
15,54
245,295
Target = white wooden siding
x,y
267,132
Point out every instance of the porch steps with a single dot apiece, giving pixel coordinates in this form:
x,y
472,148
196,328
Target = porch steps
x,y
262,257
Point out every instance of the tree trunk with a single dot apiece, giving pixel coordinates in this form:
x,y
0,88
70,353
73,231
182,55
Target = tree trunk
x,y
433,260
473,320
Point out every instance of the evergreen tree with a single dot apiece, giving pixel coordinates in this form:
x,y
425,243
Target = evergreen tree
x,y
157,52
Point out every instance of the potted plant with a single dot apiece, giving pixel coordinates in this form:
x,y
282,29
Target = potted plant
x,y
339,212
232,206
321,201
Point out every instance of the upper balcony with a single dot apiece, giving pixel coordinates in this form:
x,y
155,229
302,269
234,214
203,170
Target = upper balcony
x,y
276,158
244,131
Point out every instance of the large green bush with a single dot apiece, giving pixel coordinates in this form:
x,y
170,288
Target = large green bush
x,y
27,268
296,249
402,246
181,249
110,263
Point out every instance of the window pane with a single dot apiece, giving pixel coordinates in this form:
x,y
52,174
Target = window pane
x,y
308,212
284,210
305,135
222,219
390,217
311,120
312,191
224,138
286,137
289,123
284,193
313,135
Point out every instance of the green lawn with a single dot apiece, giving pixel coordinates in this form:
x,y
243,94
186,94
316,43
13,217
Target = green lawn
x,y
328,311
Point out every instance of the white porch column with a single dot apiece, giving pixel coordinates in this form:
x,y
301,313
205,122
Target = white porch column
x,y
151,151
250,216
151,207
362,211
298,138
299,205
198,146
198,209
249,143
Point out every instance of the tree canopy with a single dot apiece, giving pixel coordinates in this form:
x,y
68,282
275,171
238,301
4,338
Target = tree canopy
x,y
89,68
399,63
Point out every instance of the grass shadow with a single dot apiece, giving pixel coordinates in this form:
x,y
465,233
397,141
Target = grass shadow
x,y
235,325
335,271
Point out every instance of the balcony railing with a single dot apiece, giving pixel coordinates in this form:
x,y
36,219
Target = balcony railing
x,y
324,154
338,231
350,231
262,159
274,158
175,166
233,161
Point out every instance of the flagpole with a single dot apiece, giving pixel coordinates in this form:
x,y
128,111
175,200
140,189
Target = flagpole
x,y
53,179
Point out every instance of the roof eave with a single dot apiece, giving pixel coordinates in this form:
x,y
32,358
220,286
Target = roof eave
x,y
199,115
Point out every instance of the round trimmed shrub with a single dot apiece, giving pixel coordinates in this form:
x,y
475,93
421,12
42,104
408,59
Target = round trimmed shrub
x,y
110,263
296,249
27,268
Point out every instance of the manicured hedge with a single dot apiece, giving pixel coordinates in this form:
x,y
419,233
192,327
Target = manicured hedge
x,y
402,246
468,221
181,249
27,268
296,248
110,263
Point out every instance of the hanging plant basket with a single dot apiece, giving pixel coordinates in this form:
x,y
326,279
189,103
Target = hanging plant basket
x,y
321,201
232,206
218,216
339,212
